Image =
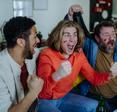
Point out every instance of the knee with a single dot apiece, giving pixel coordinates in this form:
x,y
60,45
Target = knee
x,y
92,105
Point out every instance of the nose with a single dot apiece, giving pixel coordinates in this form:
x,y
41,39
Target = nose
x,y
71,38
37,40
112,37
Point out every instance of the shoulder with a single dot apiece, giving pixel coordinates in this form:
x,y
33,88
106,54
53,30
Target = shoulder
x,y
47,51
2,53
45,55
79,55
3,56
3,62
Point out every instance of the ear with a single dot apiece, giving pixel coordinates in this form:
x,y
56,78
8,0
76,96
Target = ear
x,y
21,42
97,39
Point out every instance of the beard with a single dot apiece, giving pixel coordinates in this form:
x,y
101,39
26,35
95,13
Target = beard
x,y
27,52
107,48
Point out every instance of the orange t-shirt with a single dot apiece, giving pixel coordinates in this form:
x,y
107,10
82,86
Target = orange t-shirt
x,y
49,62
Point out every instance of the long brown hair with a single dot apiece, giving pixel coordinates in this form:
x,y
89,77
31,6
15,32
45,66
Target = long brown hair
x,y
56,34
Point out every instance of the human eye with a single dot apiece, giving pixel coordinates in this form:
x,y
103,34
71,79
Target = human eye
x,y
105,35
75,34
66,34
35,35
113,33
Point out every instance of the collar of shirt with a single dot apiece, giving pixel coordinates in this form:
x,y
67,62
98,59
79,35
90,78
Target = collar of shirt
x,y
15,66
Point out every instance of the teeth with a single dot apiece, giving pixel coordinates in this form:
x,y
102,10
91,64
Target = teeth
x,y
70,47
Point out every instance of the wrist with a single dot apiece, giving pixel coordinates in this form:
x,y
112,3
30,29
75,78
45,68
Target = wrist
x,y
33,95
70,17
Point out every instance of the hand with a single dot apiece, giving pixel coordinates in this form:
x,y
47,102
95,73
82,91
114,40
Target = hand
x,y
63,71
35,84
74,8
113,69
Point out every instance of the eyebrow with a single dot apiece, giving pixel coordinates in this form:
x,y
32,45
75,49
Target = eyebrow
x,y
107,32
68,32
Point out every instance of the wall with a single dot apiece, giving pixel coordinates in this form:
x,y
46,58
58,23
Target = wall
x,y
6,10
114,12
47,19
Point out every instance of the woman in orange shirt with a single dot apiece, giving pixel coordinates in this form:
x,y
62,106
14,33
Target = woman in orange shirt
x,y
59,66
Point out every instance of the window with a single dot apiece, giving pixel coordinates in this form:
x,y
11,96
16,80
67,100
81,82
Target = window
x,y
22,8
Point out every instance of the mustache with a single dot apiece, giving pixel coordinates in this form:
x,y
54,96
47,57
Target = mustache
x,y
111,42
106,48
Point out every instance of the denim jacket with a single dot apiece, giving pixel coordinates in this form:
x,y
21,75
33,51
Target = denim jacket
x,y
91,50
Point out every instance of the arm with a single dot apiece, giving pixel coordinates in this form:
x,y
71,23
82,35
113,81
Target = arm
x,y
72,9
51,73
24,105
35,85
7,104
5,100
91,75
45,70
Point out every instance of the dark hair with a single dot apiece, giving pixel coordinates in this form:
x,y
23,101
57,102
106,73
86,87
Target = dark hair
x,y
17,27
57,33
102,24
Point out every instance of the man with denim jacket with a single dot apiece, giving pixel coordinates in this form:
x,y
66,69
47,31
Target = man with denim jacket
x,y
101,51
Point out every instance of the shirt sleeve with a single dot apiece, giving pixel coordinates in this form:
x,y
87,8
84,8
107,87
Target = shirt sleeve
x,y
5,101
91,75
45,71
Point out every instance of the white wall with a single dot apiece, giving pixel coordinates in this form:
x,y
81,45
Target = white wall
x,y
6,10
114,12
47,19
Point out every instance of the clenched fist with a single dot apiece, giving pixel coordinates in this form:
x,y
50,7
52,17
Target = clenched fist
x,y
74,8
35,84
113,69
64,70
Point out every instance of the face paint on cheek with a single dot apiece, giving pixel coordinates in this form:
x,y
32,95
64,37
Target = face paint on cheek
x,y
105,40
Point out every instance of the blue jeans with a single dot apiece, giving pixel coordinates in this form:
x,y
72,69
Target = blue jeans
x,y
69,103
